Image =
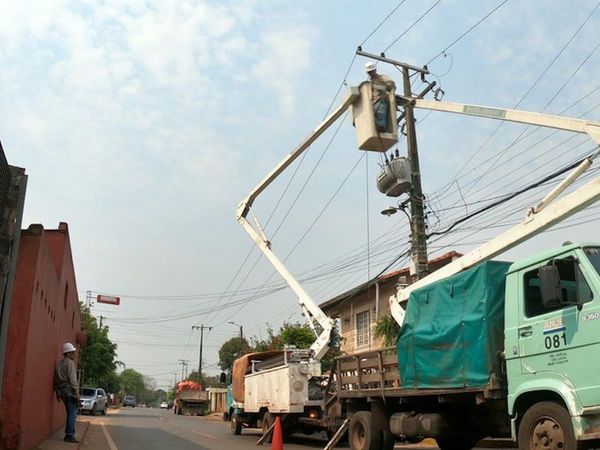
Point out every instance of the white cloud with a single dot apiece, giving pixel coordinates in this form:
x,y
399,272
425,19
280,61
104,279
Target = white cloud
x,y
286,56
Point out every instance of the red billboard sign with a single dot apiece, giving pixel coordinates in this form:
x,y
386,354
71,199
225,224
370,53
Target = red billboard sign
x,y
108,299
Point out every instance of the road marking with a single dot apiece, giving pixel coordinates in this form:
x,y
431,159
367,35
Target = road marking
x,y
210,436
111,443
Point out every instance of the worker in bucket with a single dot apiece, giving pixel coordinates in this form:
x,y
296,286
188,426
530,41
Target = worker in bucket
x,y
380,86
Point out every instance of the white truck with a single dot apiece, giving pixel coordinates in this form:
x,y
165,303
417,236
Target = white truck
x,y
260,401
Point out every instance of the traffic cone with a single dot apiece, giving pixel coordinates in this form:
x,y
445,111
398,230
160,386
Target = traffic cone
x,y
277,440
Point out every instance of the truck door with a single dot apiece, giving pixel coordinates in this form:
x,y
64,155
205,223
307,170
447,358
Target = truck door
x,y
560,339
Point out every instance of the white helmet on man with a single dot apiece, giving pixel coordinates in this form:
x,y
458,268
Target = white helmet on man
x,y
370,67
68,348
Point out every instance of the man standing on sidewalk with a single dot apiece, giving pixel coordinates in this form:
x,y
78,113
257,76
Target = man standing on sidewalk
x,y
67,388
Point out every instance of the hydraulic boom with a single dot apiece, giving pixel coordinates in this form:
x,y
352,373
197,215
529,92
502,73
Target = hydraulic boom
x,y
309,307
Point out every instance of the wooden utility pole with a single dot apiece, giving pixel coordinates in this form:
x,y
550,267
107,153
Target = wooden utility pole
x,y
201,328
418,235
183,363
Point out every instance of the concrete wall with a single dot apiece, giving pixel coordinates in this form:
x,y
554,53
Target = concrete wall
x,y
45,314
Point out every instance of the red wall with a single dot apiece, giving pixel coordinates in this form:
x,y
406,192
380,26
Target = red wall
x,y
45,314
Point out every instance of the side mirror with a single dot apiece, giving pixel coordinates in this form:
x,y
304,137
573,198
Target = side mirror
x,y
550,289
223,377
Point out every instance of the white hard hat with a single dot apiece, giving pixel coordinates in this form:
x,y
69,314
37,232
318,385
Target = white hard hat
x,y
68,348
370,66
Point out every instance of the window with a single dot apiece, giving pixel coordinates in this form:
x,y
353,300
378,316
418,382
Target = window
x,y
362,329
573,285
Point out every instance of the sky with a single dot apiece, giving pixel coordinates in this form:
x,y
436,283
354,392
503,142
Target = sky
x,y
143,125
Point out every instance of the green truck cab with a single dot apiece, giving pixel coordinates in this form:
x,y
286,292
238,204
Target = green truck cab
x,y
552,345
498,350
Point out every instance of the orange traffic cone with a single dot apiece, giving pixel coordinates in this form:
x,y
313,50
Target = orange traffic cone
x,y
277,441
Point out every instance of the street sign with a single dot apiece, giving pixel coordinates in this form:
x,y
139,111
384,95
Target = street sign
x,y
108,299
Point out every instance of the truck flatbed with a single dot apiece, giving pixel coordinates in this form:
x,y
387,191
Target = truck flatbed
x,y
375,373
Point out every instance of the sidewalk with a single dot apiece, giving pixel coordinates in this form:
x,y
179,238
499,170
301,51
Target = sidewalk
x,y
90,436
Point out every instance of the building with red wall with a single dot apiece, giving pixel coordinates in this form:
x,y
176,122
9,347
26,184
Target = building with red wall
x,y
44,314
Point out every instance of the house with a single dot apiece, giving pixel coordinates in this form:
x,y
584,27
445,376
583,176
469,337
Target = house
x,y
358,309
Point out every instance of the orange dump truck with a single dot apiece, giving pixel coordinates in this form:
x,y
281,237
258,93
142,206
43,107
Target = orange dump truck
x,y
190,399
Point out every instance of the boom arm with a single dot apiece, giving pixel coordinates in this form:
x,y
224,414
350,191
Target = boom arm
x,y
539,218
309,307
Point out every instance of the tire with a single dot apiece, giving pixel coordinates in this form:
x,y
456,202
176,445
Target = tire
x,y
93,411
236,425
547,425
104,411
360,433
267,421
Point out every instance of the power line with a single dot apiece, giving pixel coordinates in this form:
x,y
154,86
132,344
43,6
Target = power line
x,y
467,32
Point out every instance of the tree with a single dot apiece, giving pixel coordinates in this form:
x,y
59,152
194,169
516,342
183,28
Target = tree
x,y
133,383
300,335
98,356
231,350
387,329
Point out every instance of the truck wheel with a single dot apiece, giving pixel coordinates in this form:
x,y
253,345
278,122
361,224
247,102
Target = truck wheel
x,y
267,421
236,425
547,425
361,435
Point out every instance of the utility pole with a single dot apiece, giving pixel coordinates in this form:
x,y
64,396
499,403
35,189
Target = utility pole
x,y
101,319
201,328
183,363
417,216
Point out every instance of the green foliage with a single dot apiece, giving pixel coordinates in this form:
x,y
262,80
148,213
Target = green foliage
x,y
98,356
230,350
296,334
133,383
387,329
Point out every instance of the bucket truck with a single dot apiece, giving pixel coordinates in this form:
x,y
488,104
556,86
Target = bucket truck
x,y
486,348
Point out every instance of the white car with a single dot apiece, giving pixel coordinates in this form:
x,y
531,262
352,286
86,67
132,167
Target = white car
x,y
93,400
164,405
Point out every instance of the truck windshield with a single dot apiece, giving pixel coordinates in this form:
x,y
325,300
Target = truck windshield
x,y
593,254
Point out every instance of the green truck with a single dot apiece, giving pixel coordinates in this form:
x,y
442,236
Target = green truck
x,y
485,348
498,350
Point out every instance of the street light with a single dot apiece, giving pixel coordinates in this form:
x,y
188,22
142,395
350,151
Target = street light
x,y
394,209
241,329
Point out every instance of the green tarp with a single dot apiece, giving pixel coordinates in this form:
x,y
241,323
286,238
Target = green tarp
x,y
453,330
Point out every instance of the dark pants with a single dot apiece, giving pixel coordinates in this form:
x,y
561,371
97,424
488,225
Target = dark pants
x,y
71,406
381,113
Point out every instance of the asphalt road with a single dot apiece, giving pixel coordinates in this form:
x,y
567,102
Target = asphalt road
x,y
155,429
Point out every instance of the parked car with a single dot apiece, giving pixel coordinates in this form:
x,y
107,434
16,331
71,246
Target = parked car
x,y
93,400
164,405
129,400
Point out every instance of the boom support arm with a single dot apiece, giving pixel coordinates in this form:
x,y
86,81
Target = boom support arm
x,y
539,218
310,308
